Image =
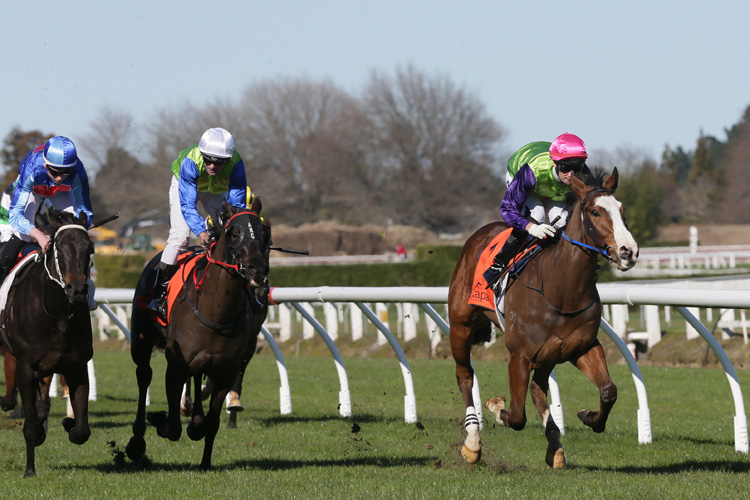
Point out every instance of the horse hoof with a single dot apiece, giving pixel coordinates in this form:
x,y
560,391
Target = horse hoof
x,y
496,406
7,404
471,456
588,417
68,424
556,460
232,424
234,402
30,473
195,432
136,448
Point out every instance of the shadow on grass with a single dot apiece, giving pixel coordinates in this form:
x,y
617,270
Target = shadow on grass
x,y
735,466
294,419
145,465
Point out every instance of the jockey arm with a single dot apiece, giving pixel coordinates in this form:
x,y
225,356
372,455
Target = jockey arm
x,y
518,191
237,192
189,197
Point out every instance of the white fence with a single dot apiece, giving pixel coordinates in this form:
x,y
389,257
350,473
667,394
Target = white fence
x,y
683,300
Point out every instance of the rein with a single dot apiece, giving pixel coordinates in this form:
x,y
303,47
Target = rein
x,y
235,267
574,242
54,255
57,268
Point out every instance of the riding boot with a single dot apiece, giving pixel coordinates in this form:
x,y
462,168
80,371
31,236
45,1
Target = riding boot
x,y
166,271
9,256
493,273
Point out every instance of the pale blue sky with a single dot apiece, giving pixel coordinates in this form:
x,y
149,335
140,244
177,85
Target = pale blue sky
x,y
640,74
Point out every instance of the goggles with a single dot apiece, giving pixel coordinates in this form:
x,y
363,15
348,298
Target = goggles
x,y
571,165
215,160
58,172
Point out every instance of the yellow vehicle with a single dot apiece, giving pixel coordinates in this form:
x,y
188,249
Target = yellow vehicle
x,y
106,241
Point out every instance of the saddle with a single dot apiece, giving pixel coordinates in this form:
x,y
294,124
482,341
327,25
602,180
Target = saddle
x,y
481,295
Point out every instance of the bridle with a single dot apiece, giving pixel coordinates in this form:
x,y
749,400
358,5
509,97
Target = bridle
x,y
55,255
246,231
56,260
233,266
589,231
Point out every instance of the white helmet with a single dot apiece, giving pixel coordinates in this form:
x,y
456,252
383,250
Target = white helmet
x,y
217,142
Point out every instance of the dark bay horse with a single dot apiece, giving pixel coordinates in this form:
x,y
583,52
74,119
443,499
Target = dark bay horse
x,y
47,328
552,314
209,330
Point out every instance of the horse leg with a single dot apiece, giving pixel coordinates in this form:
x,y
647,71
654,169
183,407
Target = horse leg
x,y
8,401
168,424
594,365
212,420
460,337
77,381
196,428
234,405
136,447
519,371
186,404
539,387
33,427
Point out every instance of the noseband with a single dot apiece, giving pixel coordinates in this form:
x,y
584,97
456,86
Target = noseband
x,y
236,267
55,254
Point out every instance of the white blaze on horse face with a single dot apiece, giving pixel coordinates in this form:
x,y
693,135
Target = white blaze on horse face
x,y
623,238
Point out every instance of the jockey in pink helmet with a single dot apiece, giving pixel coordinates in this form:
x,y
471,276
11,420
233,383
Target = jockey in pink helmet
x,y
538,178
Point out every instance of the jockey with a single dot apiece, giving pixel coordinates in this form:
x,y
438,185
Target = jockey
x,y
207,172
538,178
6,230
51,174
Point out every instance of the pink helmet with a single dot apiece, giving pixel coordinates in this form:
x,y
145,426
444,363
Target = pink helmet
x,y
567,146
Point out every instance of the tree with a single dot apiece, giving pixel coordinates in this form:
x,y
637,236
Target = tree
x,y
437,146
641,194
735,193
110,129
15,146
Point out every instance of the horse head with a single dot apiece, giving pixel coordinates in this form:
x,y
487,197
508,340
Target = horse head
x,y
245,242
603,219
68,260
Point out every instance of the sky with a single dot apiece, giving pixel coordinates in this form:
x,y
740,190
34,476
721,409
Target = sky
x,y
640,74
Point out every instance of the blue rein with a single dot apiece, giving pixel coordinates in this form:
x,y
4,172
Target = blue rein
x,y
584,245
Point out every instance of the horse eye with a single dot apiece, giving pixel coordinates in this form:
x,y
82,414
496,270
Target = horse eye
x,y
595,213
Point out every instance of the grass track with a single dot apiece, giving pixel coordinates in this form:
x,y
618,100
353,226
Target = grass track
x,y
315,454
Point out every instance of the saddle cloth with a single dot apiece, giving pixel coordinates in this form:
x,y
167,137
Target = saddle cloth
x,y
484,297
5,288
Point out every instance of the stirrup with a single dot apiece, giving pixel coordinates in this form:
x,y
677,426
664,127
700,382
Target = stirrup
x,y
157,304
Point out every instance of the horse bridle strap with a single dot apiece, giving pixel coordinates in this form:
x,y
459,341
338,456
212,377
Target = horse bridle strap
x,y
584,245
211,260
54,254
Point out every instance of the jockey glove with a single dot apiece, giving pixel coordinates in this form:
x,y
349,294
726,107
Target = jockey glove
x,y
541,231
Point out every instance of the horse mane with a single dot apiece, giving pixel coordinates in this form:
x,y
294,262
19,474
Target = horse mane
x,y
595,179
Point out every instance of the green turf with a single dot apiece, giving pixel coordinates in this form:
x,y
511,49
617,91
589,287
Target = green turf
x,y
313,453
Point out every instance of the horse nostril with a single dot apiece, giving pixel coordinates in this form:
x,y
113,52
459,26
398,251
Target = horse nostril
x,y
626,253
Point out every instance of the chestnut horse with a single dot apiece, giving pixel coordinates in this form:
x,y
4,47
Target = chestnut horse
x,y
552,314
209,329
47,328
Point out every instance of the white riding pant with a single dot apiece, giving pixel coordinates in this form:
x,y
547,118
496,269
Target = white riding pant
x,y
179,231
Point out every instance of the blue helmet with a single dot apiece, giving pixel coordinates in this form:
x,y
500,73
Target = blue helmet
x,y
60,152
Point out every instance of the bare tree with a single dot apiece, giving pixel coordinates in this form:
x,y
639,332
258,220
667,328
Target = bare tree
x,y
15,146
303,153
438,146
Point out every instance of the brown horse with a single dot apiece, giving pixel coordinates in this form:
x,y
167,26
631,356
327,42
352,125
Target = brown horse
x,y
48,328
552,314
209,330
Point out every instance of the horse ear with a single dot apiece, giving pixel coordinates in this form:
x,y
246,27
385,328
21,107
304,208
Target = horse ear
x,y
83,219
41,221
257,206
610,184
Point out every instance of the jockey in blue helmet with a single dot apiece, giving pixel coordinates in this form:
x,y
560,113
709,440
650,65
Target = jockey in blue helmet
x,y
49,175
